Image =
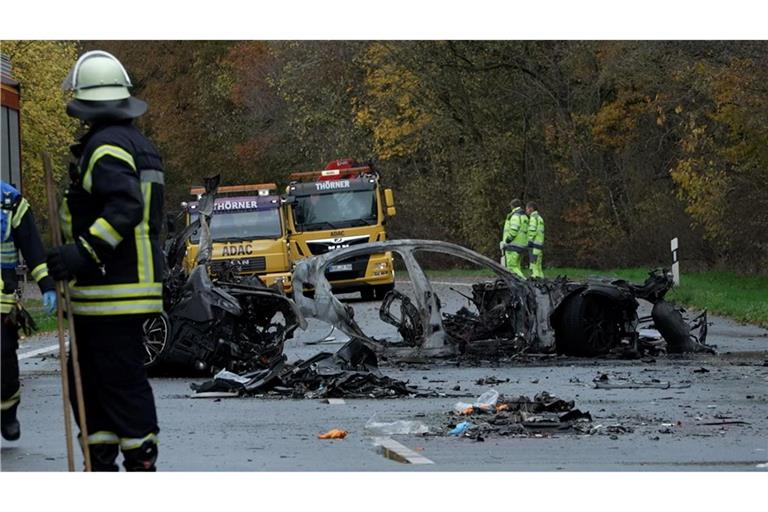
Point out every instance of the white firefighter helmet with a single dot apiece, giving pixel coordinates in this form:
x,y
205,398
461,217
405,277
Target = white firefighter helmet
x,y
101,86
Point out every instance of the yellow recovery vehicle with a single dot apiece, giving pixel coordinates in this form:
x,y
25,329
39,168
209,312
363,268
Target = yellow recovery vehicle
x,y
248,230
335,208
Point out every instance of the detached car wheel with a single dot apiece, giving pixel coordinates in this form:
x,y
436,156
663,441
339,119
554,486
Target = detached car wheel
x,y
587,327
155,333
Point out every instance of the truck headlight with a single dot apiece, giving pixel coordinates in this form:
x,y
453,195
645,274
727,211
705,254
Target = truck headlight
x,y
384,265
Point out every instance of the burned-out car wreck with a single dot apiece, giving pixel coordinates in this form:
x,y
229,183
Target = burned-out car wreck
x,y
241,326
238,324
506,315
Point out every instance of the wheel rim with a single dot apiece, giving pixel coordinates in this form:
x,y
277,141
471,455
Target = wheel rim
x,y
597,329
155,331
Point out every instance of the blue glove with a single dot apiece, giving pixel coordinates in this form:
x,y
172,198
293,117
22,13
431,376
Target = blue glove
x,y
49,302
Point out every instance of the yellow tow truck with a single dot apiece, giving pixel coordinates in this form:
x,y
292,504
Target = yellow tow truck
x,y
248,231
341,206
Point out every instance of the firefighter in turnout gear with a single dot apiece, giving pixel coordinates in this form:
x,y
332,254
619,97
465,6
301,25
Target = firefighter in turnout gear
x,y
535,239
19,233
515,238
111,221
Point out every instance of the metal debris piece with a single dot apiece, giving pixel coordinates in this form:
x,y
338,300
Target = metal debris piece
x,y
604,382
351,372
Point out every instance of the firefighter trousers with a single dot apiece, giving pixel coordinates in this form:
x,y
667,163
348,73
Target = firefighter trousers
x,y
119,405
9,368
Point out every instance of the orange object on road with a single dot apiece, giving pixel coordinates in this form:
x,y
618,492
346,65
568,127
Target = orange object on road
x,y
502,407
333,434
469,410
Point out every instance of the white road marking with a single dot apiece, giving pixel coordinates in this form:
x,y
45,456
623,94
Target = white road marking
x,y
335,401
398,452
40,351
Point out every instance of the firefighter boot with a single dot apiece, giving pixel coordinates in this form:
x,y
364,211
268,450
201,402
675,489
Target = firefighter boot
x,y
103,457
142,458
11,429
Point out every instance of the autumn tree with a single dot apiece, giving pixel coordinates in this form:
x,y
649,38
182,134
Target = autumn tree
x,y
40,67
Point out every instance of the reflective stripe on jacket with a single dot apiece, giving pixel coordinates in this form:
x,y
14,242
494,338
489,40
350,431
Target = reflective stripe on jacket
x,y
19,233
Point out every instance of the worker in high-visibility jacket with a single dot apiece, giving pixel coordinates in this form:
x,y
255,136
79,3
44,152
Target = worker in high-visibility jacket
x,y
19,233
514,241
535,239
111,218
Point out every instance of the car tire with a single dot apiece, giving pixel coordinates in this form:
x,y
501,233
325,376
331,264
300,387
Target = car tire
x,y
670,323
584,327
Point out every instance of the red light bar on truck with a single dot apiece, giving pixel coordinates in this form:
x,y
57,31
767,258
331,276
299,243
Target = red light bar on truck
x,y
262,189
328,174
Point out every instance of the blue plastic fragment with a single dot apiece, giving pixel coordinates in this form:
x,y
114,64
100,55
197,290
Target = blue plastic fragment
x,y
460,428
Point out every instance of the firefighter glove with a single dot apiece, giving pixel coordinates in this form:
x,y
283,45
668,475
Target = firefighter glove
x,y
49,302
68,261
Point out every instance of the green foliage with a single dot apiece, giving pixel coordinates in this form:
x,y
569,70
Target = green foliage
x,y
623,144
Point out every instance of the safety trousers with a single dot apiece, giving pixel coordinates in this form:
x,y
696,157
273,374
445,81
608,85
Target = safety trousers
x,y
536,262
119,405
10,392
513,261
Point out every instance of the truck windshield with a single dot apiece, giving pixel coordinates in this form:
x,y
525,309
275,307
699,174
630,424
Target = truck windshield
x,y
336,210
242,225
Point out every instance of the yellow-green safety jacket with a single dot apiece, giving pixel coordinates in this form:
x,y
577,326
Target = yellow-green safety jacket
x,y
516,231
536,231
113,209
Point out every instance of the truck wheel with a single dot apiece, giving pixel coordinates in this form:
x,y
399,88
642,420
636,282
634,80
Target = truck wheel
x,y
155,334
586,327
382,290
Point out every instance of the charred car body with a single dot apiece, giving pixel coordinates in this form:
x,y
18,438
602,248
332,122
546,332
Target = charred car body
x,y
510,316
233,323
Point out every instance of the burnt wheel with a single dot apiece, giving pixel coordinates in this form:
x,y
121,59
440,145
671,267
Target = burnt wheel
x,y
155,332
587,327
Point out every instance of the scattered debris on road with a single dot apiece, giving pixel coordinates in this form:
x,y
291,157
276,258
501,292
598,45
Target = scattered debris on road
x,y
520,416
605,382
351,372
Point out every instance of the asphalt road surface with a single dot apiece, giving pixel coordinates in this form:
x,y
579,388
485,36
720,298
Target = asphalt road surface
x,y
251,434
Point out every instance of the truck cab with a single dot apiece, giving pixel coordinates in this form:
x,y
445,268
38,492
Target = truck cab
x,y
248,231
338,207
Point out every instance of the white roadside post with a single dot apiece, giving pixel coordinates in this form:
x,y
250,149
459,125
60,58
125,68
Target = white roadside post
x,y
675,262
